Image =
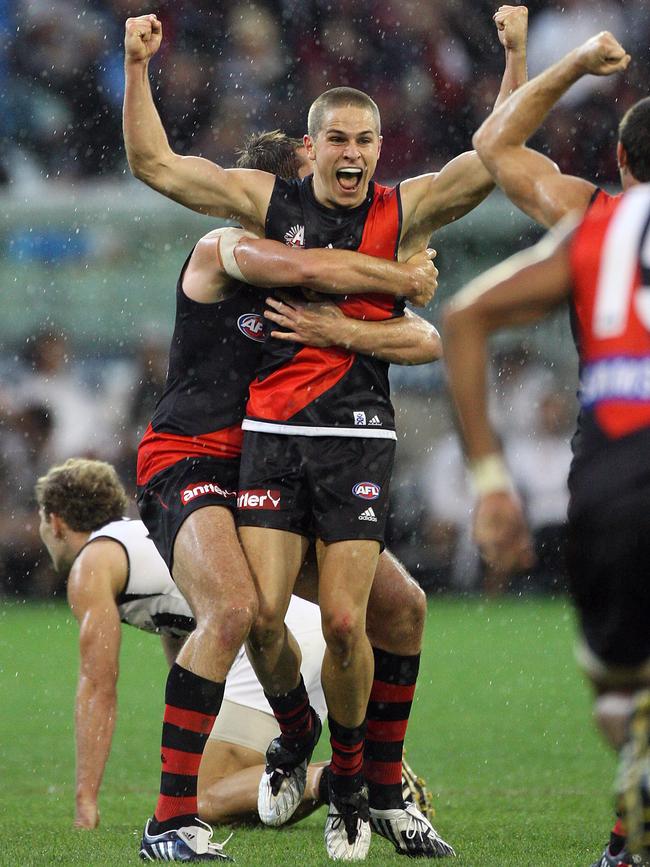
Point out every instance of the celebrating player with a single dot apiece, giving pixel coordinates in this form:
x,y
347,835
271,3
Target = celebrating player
x,y
601,267
320,432
535,184
181,461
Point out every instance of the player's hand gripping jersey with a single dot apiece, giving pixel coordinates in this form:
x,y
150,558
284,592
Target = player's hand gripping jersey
x,y
310,391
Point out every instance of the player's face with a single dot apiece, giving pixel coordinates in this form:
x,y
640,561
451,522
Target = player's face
x,y
344,156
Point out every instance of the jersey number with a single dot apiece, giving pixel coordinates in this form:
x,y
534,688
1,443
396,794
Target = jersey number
x,y
626,247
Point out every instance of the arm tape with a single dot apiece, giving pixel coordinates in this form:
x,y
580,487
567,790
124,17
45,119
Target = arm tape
x,y
228,240
490,475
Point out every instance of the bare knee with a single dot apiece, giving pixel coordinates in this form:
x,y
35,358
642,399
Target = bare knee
x,y
267,629
342,631
226,625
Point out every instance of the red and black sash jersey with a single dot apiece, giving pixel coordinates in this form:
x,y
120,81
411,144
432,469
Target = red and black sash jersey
x,y
610,264
214,353
310,391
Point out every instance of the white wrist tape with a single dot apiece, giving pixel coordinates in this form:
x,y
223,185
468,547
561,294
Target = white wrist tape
x,y
490,475
228,240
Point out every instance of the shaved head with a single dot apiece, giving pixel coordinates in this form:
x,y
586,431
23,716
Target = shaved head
x,y
336,98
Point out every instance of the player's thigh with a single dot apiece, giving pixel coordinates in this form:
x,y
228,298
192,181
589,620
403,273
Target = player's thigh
x,y
210,568
346,571
275,558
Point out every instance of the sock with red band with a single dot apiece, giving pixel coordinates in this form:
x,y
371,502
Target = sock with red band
x,y
389,707
293,715
346,767
191,707
617,838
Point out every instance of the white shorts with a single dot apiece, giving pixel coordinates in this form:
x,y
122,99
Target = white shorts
x,y
235,723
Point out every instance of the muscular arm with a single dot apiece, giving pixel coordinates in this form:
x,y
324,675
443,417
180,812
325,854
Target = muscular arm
x,y
408,339
432,201
336,272
194,182
97,576
529,179
518,292
270,265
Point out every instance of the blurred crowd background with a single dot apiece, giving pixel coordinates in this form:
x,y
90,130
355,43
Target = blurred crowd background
x,y
90,259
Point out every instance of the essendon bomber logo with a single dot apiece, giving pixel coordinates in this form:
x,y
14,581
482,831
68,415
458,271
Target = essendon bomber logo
x,y
366,490
295,237
258,499
251,325
200,489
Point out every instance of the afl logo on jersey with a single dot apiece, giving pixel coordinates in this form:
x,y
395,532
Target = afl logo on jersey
x,y
251,325
366,490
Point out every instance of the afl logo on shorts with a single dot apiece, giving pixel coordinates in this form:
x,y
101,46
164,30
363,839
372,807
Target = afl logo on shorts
x,y
251,325
366,490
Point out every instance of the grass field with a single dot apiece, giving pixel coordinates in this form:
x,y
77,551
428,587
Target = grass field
x,y
501,730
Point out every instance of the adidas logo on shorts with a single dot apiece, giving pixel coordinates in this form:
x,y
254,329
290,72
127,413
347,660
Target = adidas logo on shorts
x,y
375,420
368,515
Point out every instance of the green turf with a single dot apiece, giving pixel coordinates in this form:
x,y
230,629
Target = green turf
x,y
501,730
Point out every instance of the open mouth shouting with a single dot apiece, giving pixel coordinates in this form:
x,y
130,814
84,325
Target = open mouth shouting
x,y
349,178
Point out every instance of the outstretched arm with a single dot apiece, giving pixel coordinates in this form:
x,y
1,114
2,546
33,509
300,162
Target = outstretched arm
x,y
232,253
518,292
432,201
194,182
98,574
408,339
531,180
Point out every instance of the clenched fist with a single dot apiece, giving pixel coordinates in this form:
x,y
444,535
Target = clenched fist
x,y
512,27
425,277
142,38
603,54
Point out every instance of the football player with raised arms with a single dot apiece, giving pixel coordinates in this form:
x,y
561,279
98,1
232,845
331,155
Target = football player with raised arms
x,y
319,427
535,184
188,463
601,267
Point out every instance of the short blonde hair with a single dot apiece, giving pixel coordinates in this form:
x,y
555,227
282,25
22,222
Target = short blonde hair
x,y
335,98
86,494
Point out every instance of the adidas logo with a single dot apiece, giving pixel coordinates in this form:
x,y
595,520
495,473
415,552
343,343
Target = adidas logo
x,y
375,420
368,515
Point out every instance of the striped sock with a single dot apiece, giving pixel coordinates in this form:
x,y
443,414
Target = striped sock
x,y
293,714
389,707
346,767
191,707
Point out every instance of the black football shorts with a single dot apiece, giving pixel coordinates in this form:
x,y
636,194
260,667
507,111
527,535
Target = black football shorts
x,y
608,558
324,487
177,491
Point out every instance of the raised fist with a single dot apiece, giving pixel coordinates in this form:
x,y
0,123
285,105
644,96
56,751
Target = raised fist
x,y
512,26
142,37
602,55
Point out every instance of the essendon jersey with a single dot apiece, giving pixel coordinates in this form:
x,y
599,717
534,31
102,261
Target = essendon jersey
x,y
610,262
331,391
214,354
